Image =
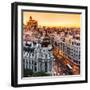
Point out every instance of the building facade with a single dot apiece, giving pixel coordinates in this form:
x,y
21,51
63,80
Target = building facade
x,y
70,50
37,58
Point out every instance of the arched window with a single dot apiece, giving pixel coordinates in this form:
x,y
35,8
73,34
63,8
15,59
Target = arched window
x,y
45,66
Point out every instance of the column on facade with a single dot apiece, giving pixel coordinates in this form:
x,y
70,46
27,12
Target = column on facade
x,y
28,63
40,66
43,66
37,66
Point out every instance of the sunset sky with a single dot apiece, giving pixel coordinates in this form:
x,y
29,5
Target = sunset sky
x,y
53,19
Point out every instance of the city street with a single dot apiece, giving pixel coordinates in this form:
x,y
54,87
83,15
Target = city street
x,y
62,65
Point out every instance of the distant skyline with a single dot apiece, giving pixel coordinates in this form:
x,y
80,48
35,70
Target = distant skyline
x,y
53,19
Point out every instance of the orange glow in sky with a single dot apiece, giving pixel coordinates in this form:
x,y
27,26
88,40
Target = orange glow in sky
x,y
53,19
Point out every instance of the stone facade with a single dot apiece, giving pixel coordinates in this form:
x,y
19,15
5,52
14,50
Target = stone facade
x,y
37,58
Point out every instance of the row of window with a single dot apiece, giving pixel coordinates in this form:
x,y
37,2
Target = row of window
x,y
37,66
71,51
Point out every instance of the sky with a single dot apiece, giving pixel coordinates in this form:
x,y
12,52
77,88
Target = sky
x,y
53,19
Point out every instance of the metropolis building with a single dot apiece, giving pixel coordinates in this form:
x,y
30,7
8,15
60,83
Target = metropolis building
x,y
37,55
70,47
37,58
